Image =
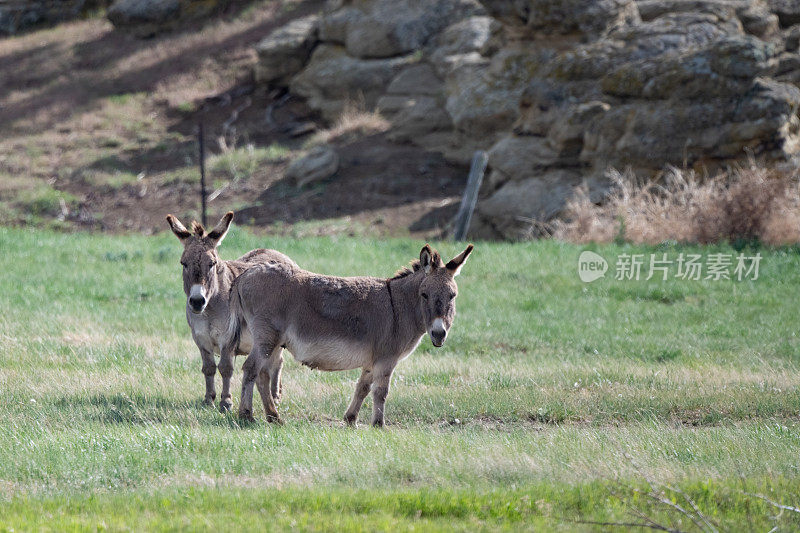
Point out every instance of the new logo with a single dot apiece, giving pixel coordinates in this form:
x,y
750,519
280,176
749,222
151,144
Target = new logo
x,y
591,266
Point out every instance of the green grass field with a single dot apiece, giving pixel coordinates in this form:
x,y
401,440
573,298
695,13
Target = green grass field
x,y
554,403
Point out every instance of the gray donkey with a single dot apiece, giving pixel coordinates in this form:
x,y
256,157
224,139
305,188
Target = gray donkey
x,y
334,323
206,282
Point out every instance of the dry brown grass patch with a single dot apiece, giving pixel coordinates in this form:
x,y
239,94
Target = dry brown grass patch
x,y
354,121
748,204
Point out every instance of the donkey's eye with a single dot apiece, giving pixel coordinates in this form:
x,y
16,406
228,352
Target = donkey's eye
x,y
424,295
183,264
452,295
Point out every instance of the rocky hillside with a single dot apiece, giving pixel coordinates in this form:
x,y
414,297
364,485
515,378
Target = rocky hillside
x,y
557,91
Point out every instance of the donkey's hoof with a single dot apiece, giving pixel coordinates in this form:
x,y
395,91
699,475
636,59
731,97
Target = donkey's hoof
x,y
350,420
377,424
225,405
272,419
208,401
246,415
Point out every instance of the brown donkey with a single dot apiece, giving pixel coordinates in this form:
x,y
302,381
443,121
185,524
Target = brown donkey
x,y
206,282
333,323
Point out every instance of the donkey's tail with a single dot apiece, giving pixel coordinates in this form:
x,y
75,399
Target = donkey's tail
x,y
234,332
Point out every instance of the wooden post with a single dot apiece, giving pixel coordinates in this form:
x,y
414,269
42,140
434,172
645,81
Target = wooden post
x,y
470,198
201,148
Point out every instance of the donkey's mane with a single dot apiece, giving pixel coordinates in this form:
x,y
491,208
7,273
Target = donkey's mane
x,y
415,266
407,270
198,228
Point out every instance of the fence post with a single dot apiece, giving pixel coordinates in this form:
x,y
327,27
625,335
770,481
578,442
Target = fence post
x,y
202,149
470,198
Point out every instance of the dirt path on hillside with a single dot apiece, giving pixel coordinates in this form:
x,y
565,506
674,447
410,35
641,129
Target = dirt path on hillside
x,y
98,130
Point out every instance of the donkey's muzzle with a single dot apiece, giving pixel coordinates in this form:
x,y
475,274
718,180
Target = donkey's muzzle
x,y
438,337
197,303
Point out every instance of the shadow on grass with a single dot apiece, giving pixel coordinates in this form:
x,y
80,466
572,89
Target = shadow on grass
x,y
140,409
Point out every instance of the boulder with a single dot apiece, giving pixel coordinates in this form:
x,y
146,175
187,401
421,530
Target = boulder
x,y
448,67
391,104
758,20
484,98
722,9
509,210
473,34
788,11
334,23
788,69
566,135
754,15
725,68
648,136
388,28
18,15
419,116
145,18
516,158
332,79
286,50
417,79
680,31
482,107
320,163
544,103
792,38
590,17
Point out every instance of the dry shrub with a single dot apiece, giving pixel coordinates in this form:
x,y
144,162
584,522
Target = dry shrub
x,y
354,121
748,204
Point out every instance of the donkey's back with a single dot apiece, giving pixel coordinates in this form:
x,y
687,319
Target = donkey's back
x,y
326,322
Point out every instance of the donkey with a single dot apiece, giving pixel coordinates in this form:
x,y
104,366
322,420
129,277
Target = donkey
x,y
206,282
332,323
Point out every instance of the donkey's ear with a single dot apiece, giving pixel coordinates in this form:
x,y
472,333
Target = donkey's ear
x,y
455,264
177,228
426,259
429,259
219,232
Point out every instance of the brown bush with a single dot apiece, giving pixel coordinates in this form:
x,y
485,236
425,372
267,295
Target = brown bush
x,y
747,204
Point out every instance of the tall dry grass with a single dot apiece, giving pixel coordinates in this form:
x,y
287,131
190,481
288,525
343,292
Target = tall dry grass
x,y
750,204
354,121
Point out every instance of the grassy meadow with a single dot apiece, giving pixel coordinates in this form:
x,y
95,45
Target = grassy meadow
x,y
554,404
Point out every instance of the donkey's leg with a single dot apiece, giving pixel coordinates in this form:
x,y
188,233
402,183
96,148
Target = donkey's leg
x,y
276,385
263,382
209,371
249,372
264,341
380,389
226,371
362,389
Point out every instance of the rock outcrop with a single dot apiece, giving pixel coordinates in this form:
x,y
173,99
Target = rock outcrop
x,y
145,18
683,83
18,15
558,91
286,51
